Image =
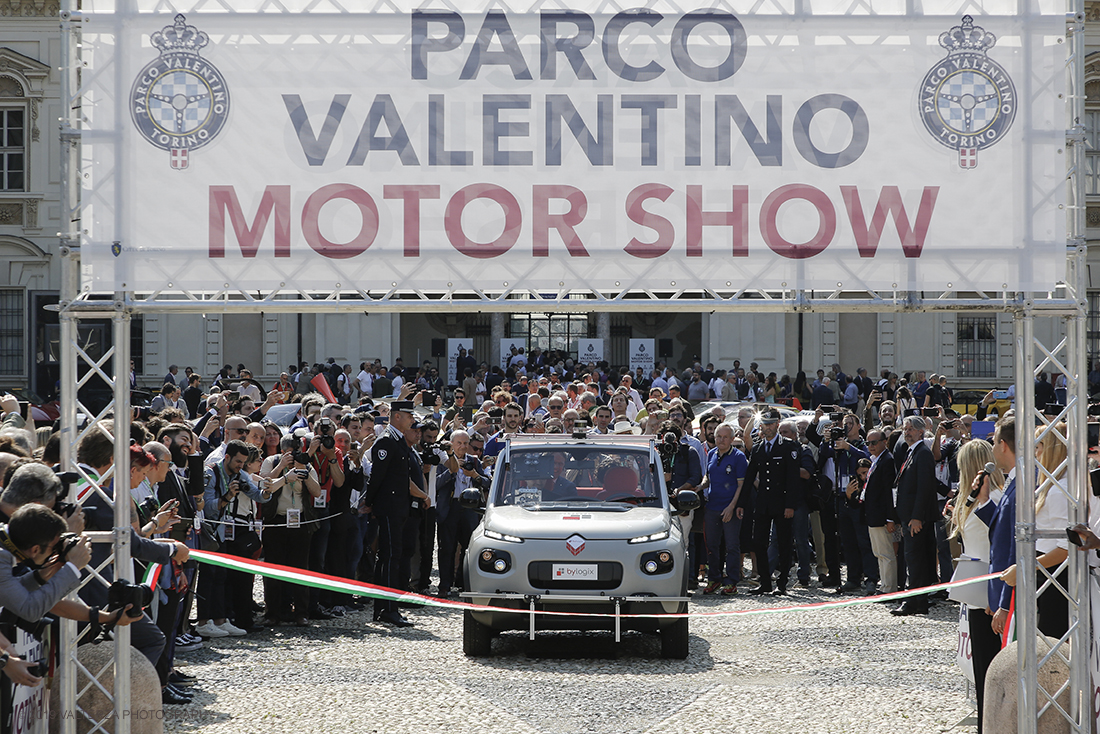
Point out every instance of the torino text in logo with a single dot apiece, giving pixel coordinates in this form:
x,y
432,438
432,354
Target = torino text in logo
x,y
967,100
179,101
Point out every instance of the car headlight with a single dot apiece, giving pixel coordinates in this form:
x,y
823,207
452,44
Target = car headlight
x,y
491,560
647,538
655,562
509,538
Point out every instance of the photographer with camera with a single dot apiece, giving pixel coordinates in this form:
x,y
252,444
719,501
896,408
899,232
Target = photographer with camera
x,y
462,471
228,519
25,594
95,455
432,456
288,525
839,450
328,462
38,560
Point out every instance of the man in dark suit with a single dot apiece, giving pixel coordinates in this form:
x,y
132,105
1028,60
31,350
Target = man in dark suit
x,y
1001,519
389,500
916,508
775,461
456,522
878,509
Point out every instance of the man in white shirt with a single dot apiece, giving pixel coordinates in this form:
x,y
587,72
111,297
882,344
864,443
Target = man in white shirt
x,y
366,380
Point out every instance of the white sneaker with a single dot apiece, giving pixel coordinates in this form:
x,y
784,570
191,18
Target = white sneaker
x,y
210,630
228,628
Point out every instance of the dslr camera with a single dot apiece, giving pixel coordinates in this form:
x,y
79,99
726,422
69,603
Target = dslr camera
x,y
471,463
123,593
326,429
67,542
668,447
837,431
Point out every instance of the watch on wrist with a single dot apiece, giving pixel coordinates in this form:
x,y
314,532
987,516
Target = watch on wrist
x,y
4,660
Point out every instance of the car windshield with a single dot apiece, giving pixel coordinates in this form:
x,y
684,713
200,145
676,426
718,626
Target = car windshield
x,y
541,477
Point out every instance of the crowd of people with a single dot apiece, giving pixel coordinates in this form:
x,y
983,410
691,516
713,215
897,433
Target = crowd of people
x,y
858,493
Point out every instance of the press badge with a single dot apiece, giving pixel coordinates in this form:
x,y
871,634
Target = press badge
x,y
230,532
293,518
197,521
319,502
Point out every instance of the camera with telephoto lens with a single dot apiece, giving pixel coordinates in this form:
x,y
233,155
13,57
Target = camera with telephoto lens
x,y
62,507
326,429
123,593
301,457
65,509
428,454
668,448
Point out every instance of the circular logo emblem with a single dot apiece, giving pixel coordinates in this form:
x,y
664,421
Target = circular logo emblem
x,y
967,100
179,101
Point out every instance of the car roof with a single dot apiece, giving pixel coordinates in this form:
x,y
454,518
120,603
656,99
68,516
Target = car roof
x,y
544,439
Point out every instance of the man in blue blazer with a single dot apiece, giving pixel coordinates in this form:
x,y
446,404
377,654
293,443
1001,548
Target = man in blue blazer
x,y
1001,519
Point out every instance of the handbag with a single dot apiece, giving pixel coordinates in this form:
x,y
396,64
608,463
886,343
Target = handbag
x,y
973,595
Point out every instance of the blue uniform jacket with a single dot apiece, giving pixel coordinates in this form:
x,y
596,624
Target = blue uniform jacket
x,y
1001,519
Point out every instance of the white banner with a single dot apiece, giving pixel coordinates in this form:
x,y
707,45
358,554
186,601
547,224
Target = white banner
x,y
642,355
964,653
506,346
713,147
30,706
589,351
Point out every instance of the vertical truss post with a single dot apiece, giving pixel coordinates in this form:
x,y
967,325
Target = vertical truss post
x,y
124,567
1025,525
70,273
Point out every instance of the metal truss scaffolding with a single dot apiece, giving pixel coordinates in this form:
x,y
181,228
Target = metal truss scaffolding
x,y
1066,306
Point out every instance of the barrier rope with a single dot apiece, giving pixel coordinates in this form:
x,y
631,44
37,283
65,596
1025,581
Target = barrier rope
x,y
359,588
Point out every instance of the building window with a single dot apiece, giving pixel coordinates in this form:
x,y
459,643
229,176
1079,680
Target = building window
x,y
1092,336
1092,153
559,332
13,158
977,346
13,329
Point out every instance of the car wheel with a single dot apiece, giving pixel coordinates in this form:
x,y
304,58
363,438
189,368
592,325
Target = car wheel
x,y
477,638
674,639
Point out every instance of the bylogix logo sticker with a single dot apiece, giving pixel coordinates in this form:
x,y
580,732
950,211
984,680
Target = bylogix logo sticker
x,y
967,100
179,101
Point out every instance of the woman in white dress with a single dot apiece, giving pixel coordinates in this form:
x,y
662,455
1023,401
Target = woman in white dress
x,y
973,534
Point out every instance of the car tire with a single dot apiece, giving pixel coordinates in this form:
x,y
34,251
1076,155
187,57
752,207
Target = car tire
x,y
674,639
477,638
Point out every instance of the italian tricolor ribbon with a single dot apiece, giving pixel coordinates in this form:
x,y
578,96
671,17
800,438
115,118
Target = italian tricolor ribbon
x,y
359,588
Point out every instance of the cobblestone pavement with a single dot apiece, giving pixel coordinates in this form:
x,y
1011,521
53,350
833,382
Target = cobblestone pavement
x,y
847,670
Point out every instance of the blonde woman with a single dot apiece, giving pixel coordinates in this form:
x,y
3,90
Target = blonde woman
x,y
1051,513
973,533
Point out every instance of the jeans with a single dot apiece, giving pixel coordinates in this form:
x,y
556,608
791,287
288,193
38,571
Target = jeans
x,y
715,531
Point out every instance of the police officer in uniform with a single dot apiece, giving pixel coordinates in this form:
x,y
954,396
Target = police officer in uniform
x,y
389,500
774,464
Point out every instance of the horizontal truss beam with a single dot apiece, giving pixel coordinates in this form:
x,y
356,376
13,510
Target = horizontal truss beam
x,y
89,306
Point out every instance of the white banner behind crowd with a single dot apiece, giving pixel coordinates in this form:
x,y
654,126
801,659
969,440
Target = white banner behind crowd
x,y
665,148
